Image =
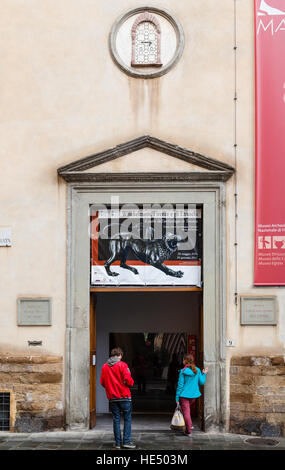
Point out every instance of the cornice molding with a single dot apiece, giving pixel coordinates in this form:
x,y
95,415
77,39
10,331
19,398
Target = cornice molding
x,y
76,171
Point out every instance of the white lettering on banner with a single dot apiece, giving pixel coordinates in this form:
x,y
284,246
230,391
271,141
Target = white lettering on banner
x,y
271,26
265,27
280,26
145,213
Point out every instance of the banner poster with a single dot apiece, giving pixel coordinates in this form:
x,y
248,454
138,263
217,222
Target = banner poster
x,y
144,246
270,143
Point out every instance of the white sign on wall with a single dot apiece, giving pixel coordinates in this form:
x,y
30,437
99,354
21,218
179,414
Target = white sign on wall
x,y
5,236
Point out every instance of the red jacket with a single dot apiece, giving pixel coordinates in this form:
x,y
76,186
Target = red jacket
x,y
116,380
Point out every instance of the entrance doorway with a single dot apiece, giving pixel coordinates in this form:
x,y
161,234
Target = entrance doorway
x,y
155,328
208,192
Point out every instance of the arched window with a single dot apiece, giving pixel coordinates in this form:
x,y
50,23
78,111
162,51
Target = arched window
x,y
146,35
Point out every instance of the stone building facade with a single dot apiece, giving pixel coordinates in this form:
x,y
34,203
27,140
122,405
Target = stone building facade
x,y
80,123
35,384
257,395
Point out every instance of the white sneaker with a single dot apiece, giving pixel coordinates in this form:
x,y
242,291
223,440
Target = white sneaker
x,y
130,445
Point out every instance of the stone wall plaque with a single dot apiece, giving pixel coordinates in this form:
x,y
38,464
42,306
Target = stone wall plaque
x,y
258,311
34,312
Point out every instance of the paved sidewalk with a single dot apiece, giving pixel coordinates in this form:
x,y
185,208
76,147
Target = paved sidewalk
x,y
98,440
149,434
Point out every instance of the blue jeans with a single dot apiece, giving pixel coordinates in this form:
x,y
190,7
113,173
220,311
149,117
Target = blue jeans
x,y
116,408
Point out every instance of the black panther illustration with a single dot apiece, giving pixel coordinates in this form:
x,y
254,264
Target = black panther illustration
x,y
152,252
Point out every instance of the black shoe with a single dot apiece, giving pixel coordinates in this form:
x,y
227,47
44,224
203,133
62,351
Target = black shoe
x,y
130,445
187,434
117,446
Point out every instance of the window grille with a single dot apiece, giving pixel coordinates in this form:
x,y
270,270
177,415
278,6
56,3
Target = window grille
x,y
146,37
4,411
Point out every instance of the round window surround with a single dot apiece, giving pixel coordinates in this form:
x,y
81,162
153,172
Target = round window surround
x,y
172,42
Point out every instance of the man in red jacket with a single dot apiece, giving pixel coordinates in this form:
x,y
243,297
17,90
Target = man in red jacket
x,y
116,379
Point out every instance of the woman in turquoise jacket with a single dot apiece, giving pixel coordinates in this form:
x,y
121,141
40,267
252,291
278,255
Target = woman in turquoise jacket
x,y
187,391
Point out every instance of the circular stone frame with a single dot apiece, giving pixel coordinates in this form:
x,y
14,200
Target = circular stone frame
x,y
142,73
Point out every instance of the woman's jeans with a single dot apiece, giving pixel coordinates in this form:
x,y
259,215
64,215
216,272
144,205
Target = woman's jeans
x,y
126,407
186,411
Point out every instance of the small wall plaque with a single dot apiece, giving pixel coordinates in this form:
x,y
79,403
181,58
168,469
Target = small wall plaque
x,y
34,312
5,236
258,311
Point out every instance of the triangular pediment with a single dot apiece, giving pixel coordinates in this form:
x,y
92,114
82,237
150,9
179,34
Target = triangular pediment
x,y
146,158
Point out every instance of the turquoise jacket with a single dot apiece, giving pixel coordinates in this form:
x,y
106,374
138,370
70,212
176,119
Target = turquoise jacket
x,y
188,383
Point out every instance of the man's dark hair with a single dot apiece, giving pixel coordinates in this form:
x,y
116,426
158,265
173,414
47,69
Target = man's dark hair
x,y
117,352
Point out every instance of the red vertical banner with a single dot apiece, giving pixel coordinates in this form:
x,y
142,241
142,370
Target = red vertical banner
x,y
270,143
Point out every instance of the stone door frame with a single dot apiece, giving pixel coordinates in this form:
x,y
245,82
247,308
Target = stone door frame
x,y
80,196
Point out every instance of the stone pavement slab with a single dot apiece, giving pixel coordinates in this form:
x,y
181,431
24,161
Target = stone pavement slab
x,y
150,432
146,441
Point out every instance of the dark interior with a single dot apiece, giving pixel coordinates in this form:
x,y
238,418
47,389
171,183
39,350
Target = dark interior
x,y
154,360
